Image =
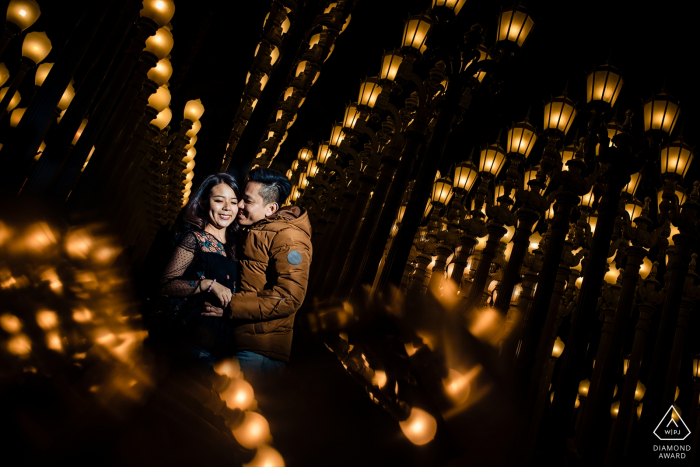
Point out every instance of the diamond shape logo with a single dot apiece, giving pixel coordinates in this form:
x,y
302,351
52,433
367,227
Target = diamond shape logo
x,y
672,427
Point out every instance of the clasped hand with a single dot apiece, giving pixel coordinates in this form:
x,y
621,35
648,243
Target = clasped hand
x,y
221,292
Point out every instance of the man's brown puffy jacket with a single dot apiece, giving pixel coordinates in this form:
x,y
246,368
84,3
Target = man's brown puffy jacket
x,y
274,275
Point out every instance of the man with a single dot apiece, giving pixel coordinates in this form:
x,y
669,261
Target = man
x,y
274,273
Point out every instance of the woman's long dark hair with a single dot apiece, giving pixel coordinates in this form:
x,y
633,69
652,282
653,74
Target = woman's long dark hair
x,y
196,212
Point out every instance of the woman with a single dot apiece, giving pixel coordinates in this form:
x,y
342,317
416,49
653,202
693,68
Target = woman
x,y
203,267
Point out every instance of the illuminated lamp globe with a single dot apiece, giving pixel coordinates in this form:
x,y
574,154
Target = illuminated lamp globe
x,y
189,167
583,387
42,71
189,176
631,187
492,159
603,84
14,101
661,113
634,210
521,139
162,119
301,67
160,100
453,5
161,73
369,91
324,153
415,32
253,431
16,116
67,97
36,46
391,61
305,154
189,156
559,114
337,135
639,391
420,427
160,11
352,114
587,199
312,169
303,181
193,141
265,456
676,158
558,347
4,74
510,231
79,132
442,189
592,221
614,409
680,194
194,110
567,154
465,176
23,13
645,268
514,27
528,176
291,122
499,191
160,44
196,126
238,395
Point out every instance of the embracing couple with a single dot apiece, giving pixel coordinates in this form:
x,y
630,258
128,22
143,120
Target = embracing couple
x,y
239,272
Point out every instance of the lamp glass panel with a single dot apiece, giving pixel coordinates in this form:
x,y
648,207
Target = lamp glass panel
x,y
352,114
559,114
369,91
660,114
324,153
676,158
587,199
604,85
492,159
36,46
23,13
567,153
390,66
631,187
441,190
305,154
521,139
465,176
416,31
337,135
514,26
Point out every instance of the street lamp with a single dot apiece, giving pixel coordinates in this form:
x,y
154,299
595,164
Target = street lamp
x,y
604,84
352,114
42,72
676,158
162,119
160,11
369,91
161,73
661,113
35,48
521,139
559,114
465,176
391,61
442,189
160,44
492,159
20,15
514,27
415,32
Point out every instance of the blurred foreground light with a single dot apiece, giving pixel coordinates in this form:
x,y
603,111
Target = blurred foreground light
x,y
10,323
78,244
82,316
253,431
487,325
458,385
266,457
47,319
39,236
420,427
583,387
614,409
229,367
238,395
379,378
19,345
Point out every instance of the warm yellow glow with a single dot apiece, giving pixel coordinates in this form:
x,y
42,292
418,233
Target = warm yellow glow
x,y
465,176
587,199
160,11
510,231
265,456
324,153
189,156
631,187
19,345
337,135
678,391
676,158
10,323
639,391
391,61
161,73
82,315
676,413
611,276
454,5
535,239
661,113
163,119
633,210
352,114
238,395
614,409
16,116
79,132
253,431
305,154
39,236
53,341
160,44
4,74
604,84
301,67
487,325
67,97
194,110
42,71
14,101
23,13
36,46
420,427
559,114
193,141
514,25
639,411
312,169
583,387
567,153
415,32
458,386
499,191
492,160
196,126
558,347
379,378
369,91
521,139
442,188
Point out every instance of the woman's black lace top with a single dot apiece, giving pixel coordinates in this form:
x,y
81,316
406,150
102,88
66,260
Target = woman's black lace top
x,y
199,255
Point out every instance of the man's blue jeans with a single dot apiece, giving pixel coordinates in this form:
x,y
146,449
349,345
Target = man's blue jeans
x,y
253,364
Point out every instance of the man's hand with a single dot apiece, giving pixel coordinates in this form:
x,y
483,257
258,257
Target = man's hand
x,y
211,310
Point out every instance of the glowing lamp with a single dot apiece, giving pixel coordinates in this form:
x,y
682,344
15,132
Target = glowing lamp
x,y
13,102
253,431
454,5
160,11
535,239
194,110
312,169
465,176
352,114
528,176
190,155
645,268
369,91
42,71
558,347
303,181
634,210
67,97
305,154
160,44
583,387
162,119
559,114
193,141
391,61
592,221
324,153
420,427
4,74
160,99
492,160
625,365
161,73
614,409
415,32
678,391
604,84
567,154
16,116
514,26
23,13
265,456
521,139
680,195
639,391
500,191
661,113
337,135
79,133
631,187
442,188
639,411
196,126
587,199
676,158
402,211
36,46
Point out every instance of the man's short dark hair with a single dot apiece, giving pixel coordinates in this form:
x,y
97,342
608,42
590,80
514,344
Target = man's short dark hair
x,y
275,186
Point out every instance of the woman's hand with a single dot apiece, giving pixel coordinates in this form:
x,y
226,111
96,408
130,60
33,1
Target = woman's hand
x,y
221,292
211,310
